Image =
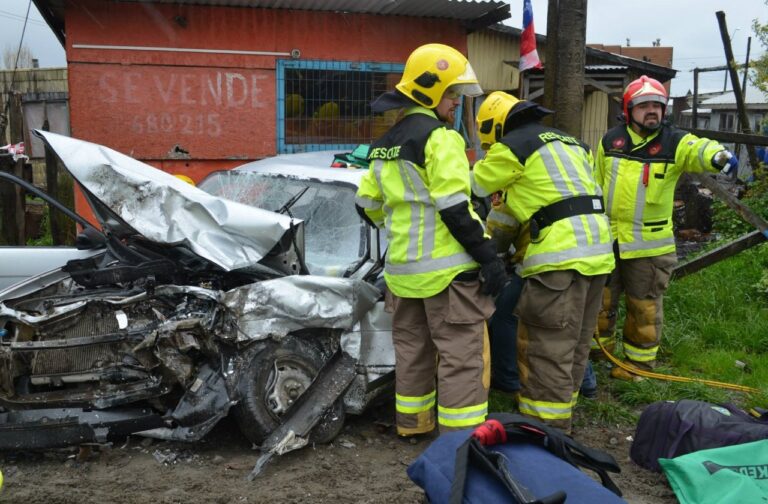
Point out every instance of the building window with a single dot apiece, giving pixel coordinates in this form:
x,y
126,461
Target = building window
x,y
726,122
323,105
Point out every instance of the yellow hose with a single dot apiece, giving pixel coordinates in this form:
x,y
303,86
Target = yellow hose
x,y
679,379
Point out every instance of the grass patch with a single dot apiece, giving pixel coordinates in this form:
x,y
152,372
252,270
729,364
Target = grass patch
x,y
716,320
498,401
715,328
604,411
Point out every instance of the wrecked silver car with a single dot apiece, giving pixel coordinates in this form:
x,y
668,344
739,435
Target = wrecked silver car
x,y
255,293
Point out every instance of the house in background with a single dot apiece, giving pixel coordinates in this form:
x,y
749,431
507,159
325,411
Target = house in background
x,y
717,110
682,109
195,87
719,113
192,88
44,96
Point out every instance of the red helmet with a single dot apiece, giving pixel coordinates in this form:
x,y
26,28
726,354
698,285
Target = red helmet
x,y
642,90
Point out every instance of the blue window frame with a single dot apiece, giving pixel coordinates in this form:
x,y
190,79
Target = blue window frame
x,y
324,105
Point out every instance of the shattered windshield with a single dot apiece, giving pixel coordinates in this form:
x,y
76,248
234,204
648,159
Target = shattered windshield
x,y
333,232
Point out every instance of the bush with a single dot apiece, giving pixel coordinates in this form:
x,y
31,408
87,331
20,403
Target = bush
x,y
731,225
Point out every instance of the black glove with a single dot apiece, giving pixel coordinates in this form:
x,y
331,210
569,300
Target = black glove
x,y
493,276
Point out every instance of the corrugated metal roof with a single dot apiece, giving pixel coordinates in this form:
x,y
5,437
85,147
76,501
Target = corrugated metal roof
x,y
466,10
475,14
753,97
604,68
656,71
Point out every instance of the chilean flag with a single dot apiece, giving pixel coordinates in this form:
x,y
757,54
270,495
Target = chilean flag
x,y
529,57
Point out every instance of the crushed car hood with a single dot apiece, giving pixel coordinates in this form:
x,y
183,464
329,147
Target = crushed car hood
x,y
165,209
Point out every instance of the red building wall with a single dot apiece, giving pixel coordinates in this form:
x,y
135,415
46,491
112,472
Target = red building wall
x,y
217,107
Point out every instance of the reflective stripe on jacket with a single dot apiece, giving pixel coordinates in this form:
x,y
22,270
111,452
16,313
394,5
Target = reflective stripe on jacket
x,y
538,166
638,176
418,168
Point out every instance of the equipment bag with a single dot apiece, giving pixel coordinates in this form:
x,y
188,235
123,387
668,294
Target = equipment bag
x,y
736,473
358,157
511,458
667,429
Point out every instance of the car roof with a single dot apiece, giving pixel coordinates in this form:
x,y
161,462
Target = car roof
x,y
315,165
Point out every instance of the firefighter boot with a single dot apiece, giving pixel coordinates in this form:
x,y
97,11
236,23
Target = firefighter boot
x,y
623,374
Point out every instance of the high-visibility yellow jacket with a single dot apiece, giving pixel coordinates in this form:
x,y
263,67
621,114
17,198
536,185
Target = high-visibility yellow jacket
x,y
538,166
418,168
638,176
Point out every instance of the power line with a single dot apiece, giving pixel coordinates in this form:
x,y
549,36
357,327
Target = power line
x,y
16,17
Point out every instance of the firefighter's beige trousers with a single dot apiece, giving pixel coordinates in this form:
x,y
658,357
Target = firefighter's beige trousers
x,y
558,314
443,337
643,281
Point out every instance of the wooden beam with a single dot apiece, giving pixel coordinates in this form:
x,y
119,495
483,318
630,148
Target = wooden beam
x,y
718,254
736,85
727,136
9,226
592,82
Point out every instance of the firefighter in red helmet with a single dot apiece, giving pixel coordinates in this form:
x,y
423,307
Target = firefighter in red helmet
x,y
638,164
644,90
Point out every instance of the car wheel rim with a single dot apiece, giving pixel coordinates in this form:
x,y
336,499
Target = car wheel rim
x,y
287,381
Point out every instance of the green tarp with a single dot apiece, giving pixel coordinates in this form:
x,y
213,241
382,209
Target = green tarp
x,y
737,473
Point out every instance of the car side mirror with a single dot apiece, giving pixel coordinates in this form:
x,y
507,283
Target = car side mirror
x,y
90,238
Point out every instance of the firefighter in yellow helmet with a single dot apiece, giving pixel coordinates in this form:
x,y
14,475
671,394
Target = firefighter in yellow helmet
x,y
638,164
547,179
512,239
441,267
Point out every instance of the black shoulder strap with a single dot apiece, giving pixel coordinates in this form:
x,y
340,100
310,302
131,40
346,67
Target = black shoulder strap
x,y
495,464
617,143
565,447
527,138
406,139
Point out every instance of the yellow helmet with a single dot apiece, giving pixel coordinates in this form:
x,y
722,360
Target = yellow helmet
x,y
433,68
328,110
491,117
294,105
185,178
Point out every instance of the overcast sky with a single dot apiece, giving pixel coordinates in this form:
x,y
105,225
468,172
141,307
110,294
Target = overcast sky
x,y
690,26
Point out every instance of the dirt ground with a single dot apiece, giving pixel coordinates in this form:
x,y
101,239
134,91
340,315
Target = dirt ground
x,y
366,464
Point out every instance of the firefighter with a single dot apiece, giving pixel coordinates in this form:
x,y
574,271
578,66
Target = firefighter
x,y
417,187
547,179
638,164
512,239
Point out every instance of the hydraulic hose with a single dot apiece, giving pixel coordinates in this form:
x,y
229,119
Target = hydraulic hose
x,y
673,378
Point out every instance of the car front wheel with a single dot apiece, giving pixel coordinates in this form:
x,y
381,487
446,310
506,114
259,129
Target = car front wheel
x,y
272,382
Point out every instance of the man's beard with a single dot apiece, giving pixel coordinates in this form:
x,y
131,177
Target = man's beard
x,y
647,129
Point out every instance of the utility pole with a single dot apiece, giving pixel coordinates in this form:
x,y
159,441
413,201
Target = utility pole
x,y
566,57
743,120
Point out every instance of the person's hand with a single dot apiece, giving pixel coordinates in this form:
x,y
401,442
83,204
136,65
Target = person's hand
x,y
725,160
493,276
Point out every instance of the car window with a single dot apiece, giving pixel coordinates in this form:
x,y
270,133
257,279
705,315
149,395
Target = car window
x,y
334,235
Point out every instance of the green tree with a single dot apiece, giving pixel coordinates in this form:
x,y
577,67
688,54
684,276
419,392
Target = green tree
x,y
760,65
